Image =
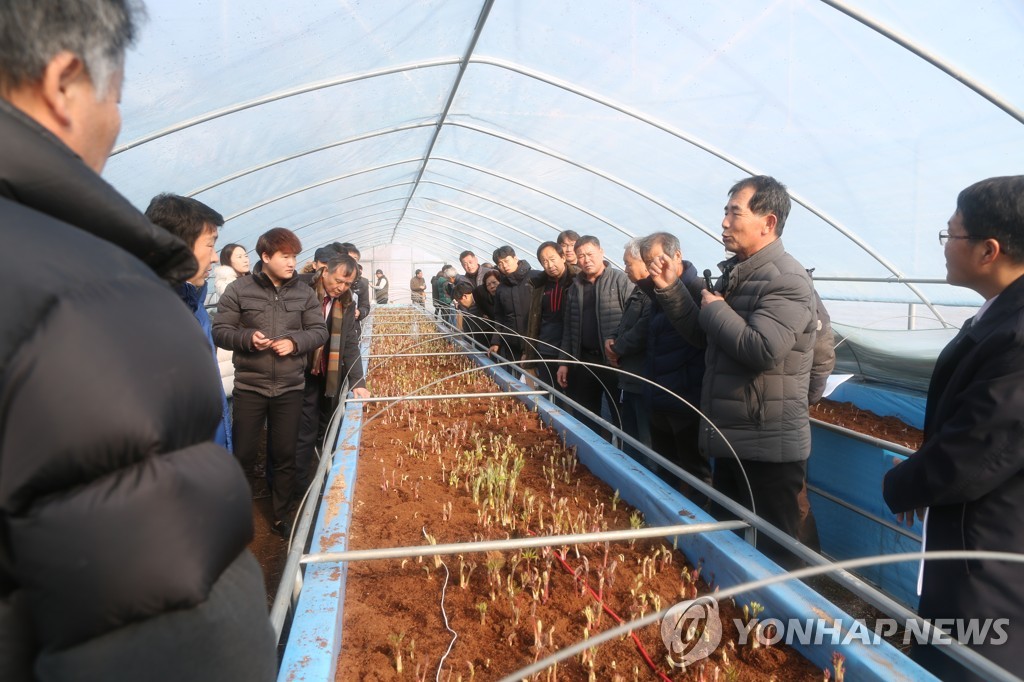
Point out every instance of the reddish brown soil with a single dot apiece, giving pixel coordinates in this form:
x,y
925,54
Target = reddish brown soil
x,y
852,417
410,458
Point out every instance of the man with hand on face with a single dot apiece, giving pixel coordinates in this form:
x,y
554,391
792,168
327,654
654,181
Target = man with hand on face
x,y
330,365
676,365
626,349
758,327
270,320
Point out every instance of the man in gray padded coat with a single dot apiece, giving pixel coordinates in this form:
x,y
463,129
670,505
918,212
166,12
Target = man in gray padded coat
x,y
758,326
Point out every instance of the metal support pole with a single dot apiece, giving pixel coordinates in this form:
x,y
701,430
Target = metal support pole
x,y
412,333
424,355
520,543
398,398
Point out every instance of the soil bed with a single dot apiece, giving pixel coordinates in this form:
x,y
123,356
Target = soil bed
x,y
867,422
461,470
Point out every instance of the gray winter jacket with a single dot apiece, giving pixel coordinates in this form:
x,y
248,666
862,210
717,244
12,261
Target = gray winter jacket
x,y
612,290
760,343
252,304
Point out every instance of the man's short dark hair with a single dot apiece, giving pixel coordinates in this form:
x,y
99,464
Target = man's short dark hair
x,y
550,245
278,239
324,254
347,247
418,272
503,252
344,261
770,197
568,235
184,217
32,32
466,253
586,239
668,241
461,289
994,209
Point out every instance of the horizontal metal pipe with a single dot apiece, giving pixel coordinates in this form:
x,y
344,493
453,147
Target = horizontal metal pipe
x,y
885,280
396,398
411,333
866,514
520,543
423,355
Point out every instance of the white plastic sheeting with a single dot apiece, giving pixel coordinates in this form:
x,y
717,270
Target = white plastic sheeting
x,y
450,124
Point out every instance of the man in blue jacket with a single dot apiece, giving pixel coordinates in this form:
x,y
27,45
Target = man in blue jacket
x,y
196,224
967,480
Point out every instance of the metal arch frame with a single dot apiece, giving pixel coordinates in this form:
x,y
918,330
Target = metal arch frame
x,y
314,185
416,223
313,224
485,12
379,188
707,147
418,231
491,200
542,192
293,92
584,167
384,230
556,83
473,228
468,59
478,214
911,46
291,157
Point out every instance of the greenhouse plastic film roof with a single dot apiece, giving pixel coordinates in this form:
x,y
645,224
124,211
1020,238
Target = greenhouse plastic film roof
x,y
451,125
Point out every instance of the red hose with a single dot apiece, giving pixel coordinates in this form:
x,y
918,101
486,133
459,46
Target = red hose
x,y
607,609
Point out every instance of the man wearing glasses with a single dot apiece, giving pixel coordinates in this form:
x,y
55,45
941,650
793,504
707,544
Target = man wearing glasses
x,y
967,481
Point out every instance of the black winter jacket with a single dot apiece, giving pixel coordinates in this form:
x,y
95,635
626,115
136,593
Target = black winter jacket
x,y
969,472
546,294
124,528
512,308
252,304
671,361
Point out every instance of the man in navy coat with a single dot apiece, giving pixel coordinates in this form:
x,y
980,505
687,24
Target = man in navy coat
x,y
967,480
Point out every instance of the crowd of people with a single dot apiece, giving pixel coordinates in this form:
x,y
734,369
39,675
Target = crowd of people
x,y
124,519
752,348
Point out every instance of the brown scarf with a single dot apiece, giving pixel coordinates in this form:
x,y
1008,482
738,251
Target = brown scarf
x,y
333,376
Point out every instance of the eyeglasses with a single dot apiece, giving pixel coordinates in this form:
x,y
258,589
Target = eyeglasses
x,y
944,235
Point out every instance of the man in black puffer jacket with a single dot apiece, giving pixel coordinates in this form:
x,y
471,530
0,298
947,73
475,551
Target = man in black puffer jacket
x,y
511,304
124,527
678,366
